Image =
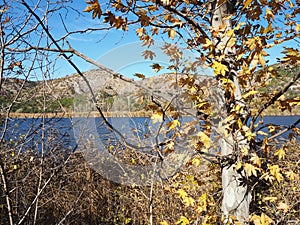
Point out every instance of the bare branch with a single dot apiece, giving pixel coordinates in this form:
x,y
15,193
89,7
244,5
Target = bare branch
x,y
275,98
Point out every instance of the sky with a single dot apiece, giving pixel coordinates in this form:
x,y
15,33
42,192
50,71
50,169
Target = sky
x,y
115,49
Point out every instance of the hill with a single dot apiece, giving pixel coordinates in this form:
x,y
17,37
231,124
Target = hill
x,y
113,94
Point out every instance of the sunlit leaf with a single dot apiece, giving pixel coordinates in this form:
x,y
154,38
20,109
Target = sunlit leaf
x,y
219,68
205,139
255,159
270,199
171,33
250,169
268,29
271,128
282,206
127,220
182,193
95,7
246,4
188,201
202,204
164,223
140,31
157,117
261,220
291,175
275,171
183,221
173,124
280,153
269,15
196,161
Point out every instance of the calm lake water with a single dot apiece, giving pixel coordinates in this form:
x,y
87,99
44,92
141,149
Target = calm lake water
x,y
66,132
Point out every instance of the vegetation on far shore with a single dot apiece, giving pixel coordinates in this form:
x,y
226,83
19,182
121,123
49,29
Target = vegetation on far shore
x,y
31,102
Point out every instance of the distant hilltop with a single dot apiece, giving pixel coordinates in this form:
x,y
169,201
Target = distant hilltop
x,y
114,95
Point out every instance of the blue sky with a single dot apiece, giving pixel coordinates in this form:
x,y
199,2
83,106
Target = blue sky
x,y
118,50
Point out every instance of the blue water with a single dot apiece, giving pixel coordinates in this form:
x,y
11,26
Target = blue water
x,y
64,132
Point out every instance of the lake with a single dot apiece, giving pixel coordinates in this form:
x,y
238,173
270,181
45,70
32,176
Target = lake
x,y
66,132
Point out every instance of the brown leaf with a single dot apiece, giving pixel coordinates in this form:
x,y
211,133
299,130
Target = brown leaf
x,y
156,67
139,75
95,7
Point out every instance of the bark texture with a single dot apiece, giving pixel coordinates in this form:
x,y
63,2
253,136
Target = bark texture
x,y
236,198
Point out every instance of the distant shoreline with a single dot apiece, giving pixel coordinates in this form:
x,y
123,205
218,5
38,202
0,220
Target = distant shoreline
x,y
76,114
115,114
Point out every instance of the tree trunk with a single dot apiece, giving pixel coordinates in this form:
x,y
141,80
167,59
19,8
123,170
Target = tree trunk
x,y
236,198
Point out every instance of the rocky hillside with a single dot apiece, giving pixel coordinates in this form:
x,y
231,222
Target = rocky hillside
x,y
113,93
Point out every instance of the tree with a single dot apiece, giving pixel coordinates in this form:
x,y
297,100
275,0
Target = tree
x,y
233,38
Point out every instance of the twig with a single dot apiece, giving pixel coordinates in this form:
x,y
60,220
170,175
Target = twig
x,y
274,98
285,130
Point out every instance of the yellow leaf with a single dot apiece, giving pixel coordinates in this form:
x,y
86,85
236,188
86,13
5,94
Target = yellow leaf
x,y
202,203
291,175
219,68
261,220
132,160
111,148
163,222
255,219
249,135
268,29
270,199
271,128
208,44
250,169
140,31
275,171
196,161
227,83
173,124
280,153
261,59
188,201
204,139
297,27
183,221
230,33
182,193
239,166
127,220
255,160
250,93
157,117
237,108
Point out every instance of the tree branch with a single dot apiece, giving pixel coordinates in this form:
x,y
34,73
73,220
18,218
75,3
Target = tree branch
x,y
275,98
